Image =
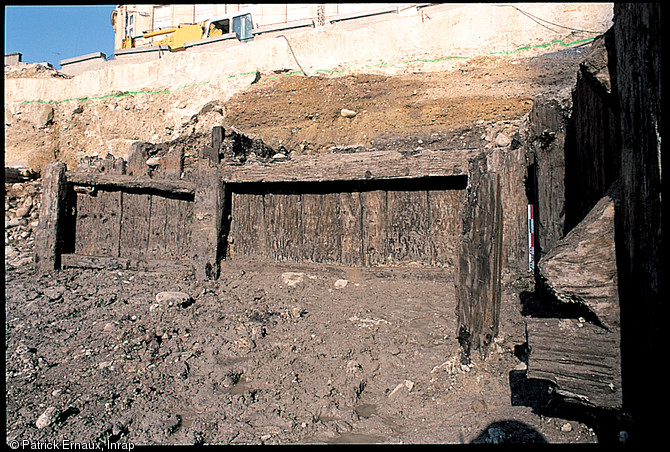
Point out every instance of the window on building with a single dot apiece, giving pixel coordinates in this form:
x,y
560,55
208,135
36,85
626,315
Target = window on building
x,y
130,26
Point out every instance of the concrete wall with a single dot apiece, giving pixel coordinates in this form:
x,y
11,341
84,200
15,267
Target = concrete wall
x,y
12,58
139,55
440,31
89,62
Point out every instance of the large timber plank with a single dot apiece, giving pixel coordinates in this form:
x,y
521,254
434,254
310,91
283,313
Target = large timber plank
x,y
446,224
582,359
351,239
284,226
321,227
373,204
408,227
135,223
353,166
247,225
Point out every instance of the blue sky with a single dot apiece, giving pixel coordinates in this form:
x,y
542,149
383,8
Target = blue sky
x,y
50,33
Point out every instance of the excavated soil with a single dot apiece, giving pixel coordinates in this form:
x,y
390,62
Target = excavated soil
x,y
276,353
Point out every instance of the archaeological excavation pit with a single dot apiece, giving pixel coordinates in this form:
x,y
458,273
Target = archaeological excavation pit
x,y
428,210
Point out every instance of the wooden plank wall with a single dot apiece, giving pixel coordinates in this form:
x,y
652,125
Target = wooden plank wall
x,y
365,227
128,223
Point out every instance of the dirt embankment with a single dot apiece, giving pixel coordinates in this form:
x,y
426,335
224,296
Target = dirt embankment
x,y
415,106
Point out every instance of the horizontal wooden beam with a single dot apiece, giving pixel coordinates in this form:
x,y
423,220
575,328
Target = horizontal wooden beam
x,y
118,263
369,165
177,187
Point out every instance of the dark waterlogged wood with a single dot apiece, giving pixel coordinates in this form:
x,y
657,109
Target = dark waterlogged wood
x,y
408,234
581,359
446,225
285,229
206,225
351,237
119,263
321,227
373,212
49,234
119,182
480,262
371,165
98,213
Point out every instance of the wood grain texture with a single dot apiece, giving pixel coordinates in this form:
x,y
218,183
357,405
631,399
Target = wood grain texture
x,y
369,165
49,234
581,359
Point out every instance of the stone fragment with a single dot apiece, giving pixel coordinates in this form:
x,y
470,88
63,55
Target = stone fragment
x,y
292,279
347,113
502,140
172,298
54,293
341,283
47,418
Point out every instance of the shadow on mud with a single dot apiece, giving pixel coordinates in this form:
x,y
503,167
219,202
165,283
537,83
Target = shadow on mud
x,y
509,432
540,395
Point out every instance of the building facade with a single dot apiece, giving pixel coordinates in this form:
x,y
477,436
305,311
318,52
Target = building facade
x,y
134,20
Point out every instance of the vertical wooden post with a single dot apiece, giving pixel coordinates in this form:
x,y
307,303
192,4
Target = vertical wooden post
x,y
480,263
49,234
205,236
212,152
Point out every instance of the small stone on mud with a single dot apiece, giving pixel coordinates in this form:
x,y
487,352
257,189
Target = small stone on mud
x,y
292,279
54,293
341,283
347,113
47,418
172,298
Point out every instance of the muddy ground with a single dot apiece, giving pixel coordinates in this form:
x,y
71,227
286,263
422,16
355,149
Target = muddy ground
x,y
277,353
271,354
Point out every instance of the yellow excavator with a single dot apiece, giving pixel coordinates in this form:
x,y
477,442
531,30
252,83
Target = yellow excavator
x,y
240,24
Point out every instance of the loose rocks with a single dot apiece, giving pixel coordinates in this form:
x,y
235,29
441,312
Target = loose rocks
x,y
173,298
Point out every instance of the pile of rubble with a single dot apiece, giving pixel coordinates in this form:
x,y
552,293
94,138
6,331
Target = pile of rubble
x,y
22,202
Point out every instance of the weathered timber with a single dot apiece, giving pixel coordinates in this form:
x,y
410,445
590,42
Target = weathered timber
x,y
49,234
351,239
119,263
408,237
480,262
374,222
353,166
546,134
321,224
172,164
144,184
218,136
247,226
206,224
581,359
135,224
285,228
367,223
98,212
445,224
582,267
137,159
